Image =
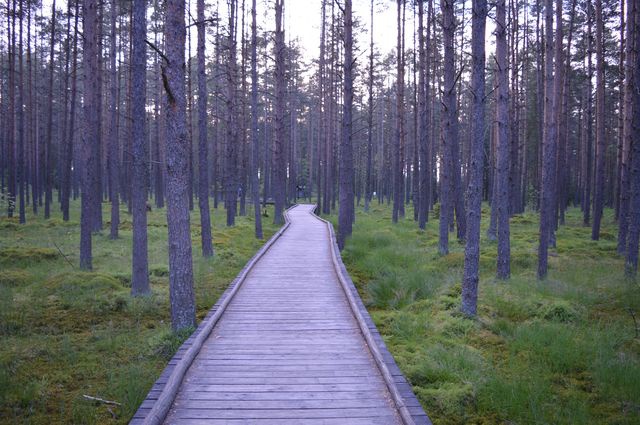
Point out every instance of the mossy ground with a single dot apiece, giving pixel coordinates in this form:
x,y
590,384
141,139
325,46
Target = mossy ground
x,y
65,333
561,351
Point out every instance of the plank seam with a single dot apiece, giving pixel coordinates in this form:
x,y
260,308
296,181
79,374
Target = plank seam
x,y
163,403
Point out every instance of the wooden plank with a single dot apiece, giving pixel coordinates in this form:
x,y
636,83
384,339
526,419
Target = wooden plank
x,y
287,348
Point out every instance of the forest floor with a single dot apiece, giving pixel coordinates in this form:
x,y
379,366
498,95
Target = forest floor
x,y
562,351
66,333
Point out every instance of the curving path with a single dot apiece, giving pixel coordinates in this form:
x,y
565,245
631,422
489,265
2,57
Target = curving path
x,y
288,348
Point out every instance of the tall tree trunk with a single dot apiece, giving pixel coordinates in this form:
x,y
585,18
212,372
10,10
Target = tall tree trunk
x,y
114,148
423,119
90,136
203,149
11,131
625,171
586,218
21,125
503,270
49,148
634,207
598,201
231,153
448,124
476,166
345,212
181,292
140,178
368,183
398,161
279,148
255,143
547,200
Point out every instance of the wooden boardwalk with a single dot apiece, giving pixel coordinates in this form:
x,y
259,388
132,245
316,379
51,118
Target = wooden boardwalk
x,y
289,346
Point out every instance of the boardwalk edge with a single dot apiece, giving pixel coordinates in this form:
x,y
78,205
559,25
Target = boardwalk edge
x,y
167,395
419,417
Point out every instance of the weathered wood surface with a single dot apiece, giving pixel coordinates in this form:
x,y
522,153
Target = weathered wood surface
x,y
287,348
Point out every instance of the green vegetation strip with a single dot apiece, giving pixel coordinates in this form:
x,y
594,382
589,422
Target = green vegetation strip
x,y
563,351
66,333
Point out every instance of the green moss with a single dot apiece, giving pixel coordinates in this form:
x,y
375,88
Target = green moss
x,y
15,277
27,254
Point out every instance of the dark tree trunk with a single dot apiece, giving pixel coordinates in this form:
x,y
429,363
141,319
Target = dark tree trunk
x,y
476,165
345,212
398,161
625,171
21,125
368,183
503,270
634,207
90,136
203,149
181,292
279,145
140,178
548,148
49,148
448,124
114,149
255,143
598,200
231,153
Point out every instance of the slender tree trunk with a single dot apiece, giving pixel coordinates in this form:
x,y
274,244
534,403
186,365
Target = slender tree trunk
x,y
114,148
90,136
598,201
423,118
279,146
203,149
21,125
140,178
625,171
231,157
398,163
448,123
345,212
181,292
586,219
49,148
368,183
476,166
634,207
503,270
548,148
255,143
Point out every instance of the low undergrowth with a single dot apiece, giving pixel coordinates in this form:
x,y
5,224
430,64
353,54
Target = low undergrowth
x,y
562,351
66,333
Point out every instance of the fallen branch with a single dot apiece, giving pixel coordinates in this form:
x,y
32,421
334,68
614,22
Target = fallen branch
x,y
64,256
101,400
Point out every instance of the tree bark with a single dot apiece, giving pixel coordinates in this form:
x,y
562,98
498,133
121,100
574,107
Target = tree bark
x,y
181,292
255,143
476,166
598,201
279,143
634,207
203,149
114,148
448,123
503,270
90,136
547,200
140,178
345,212
625,171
